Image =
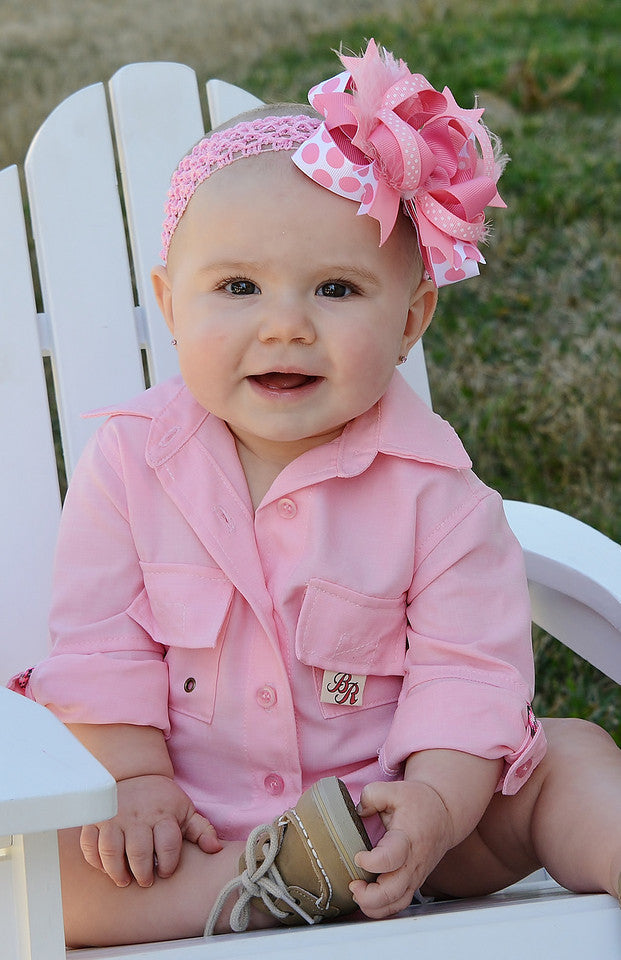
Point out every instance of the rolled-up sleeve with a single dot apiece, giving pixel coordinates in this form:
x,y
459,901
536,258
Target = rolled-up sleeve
x,y
103,667
469,673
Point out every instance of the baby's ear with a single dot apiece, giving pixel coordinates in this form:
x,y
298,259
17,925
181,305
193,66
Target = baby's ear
x,y
162,288
422,308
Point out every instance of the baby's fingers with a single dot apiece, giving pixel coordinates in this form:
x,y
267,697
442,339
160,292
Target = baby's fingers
x,y
390,894
167,840
140,850
103,846
390,854
200,831
393,888
89,845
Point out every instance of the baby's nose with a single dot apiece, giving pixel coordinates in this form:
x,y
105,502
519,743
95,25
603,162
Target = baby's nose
x,y
286,320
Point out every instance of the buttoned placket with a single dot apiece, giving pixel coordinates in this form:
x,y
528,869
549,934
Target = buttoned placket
x,y
274,521
225,526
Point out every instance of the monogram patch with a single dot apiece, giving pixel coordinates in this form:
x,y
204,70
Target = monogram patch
x,y
346,689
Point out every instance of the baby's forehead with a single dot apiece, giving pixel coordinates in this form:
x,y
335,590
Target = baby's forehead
x,y
225,146
268,173
231,194
266,196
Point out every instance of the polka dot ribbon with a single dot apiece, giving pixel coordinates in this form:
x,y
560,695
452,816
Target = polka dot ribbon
x,y
389,138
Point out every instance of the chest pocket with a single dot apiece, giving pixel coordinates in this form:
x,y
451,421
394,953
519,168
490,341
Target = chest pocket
x,y
186,608
342,631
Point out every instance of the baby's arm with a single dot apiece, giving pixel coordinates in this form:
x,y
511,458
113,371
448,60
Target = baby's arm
x,y
154,814
439,802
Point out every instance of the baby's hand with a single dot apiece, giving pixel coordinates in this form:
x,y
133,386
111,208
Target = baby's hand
x,y
145,837
418,834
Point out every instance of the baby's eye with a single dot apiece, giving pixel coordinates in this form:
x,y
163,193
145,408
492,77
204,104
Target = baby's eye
x,y
335,288
241,288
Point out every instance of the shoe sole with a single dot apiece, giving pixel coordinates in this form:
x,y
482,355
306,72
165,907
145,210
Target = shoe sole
x,y
338,813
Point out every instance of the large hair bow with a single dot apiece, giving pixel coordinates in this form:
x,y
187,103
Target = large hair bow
x,y
389,138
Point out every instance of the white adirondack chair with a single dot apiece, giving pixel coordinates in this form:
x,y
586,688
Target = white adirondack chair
x,y
94,332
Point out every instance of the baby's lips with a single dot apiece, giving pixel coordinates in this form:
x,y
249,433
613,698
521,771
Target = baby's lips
x,y
283,381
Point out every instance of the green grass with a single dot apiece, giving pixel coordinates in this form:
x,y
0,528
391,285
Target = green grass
x,y
525,361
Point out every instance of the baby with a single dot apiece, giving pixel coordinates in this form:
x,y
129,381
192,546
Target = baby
x,y
279,584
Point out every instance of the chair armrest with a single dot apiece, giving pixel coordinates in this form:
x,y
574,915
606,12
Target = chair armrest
x,y
574,575
568,555
49,780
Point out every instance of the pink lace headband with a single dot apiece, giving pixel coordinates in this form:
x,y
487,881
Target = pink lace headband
x,y
245,139
388,138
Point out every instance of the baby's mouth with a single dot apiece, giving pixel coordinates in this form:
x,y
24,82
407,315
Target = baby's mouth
x,y
283,381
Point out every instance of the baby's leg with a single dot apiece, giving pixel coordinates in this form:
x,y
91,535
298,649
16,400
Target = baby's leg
x,y
98,913
566,818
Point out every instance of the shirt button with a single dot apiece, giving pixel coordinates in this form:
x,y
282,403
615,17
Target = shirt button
x,y
523,769
274,784
266,697
287,508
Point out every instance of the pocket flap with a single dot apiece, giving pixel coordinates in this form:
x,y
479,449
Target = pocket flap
x,y
340,629
183,605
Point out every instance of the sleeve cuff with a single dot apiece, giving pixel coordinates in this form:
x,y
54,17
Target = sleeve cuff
x,y
103,689
473,717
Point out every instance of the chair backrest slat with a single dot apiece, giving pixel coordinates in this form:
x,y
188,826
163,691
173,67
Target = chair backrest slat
x,y
30,502
157,117
83,264
225,101
415,372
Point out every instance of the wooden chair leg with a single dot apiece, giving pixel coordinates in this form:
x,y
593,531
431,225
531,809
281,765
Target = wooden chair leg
x,y
31,916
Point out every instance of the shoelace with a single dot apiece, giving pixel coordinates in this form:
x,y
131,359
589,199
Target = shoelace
x,y
263,882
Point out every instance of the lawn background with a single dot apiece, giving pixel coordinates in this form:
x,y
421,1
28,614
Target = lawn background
x,y
524,361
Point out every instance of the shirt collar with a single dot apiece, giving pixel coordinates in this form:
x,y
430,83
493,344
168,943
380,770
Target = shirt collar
x,y
399,425
174,414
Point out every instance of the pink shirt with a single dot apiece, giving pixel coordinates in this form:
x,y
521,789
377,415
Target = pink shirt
x,y
378,556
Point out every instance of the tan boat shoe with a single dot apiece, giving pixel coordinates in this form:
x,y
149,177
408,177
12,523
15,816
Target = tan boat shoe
x,y
299,868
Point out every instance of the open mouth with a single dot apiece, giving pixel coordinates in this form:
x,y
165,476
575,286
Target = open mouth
x,y
278,381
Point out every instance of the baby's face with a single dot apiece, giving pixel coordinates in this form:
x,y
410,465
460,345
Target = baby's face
x,y
289,318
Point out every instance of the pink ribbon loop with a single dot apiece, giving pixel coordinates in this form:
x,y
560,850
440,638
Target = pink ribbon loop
x,y
389,138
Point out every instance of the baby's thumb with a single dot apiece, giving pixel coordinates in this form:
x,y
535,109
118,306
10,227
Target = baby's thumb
x,y
371,801
200,831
